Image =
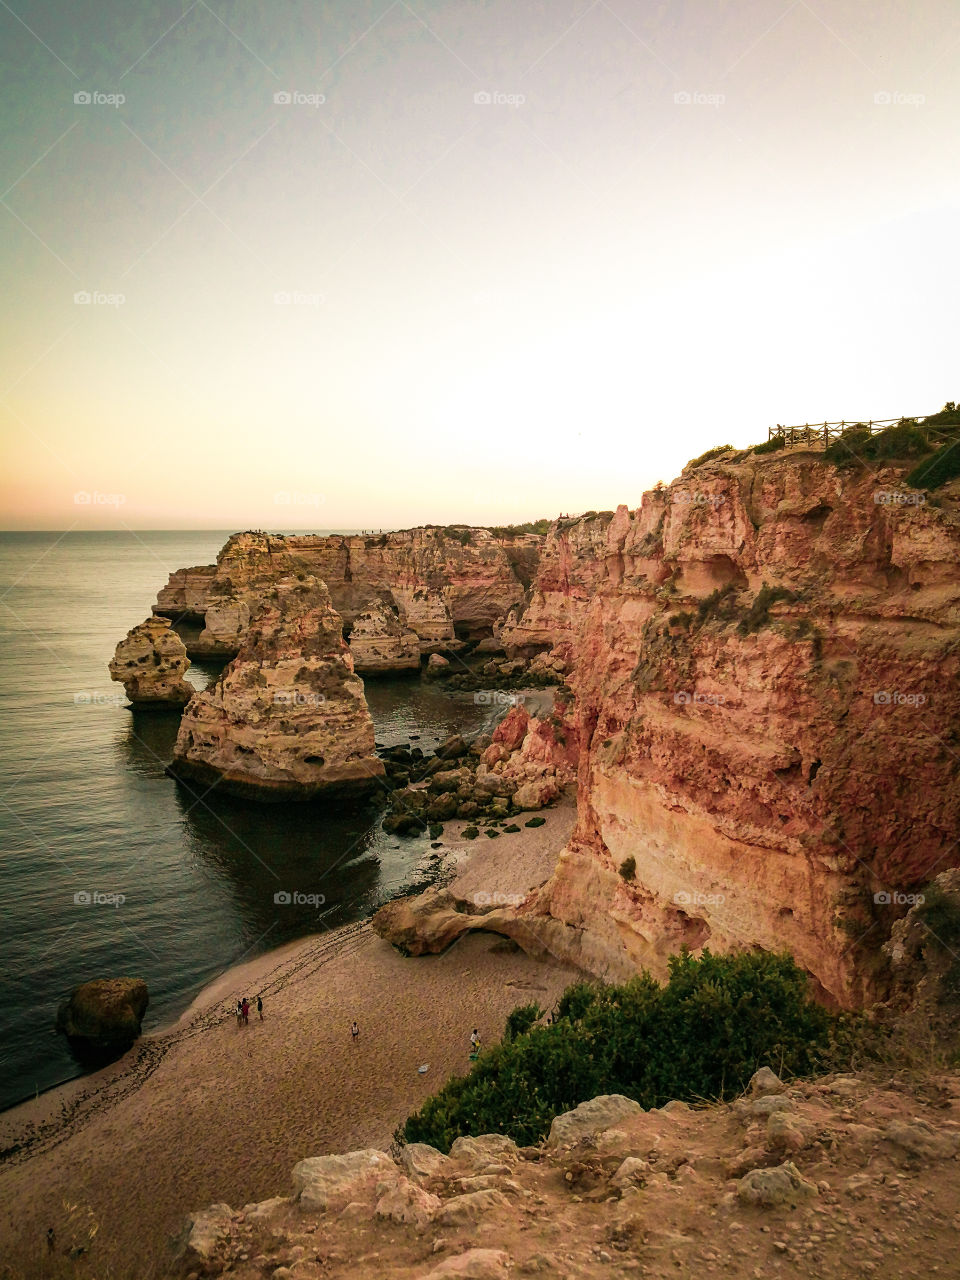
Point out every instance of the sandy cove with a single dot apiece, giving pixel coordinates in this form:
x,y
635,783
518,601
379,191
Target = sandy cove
x,y
206,1111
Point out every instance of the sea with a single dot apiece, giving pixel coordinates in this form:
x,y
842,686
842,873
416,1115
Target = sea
x,y
109,868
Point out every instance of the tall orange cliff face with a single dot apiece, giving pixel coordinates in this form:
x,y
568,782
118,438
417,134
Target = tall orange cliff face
x,y
770,762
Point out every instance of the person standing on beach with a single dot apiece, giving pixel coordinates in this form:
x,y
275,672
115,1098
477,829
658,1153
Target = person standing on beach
x,y
474,1041
239,1012
354,1032
260,1007
245,1010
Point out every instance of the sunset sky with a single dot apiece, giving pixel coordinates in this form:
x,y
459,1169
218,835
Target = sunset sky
x,y
490,261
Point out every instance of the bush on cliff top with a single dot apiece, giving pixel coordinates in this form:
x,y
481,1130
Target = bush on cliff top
x,y
702,1035
715,452
944,465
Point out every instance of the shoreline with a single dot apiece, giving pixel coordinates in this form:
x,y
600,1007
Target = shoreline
x,y
217,1112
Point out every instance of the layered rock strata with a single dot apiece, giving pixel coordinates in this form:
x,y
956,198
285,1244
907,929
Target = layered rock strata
x,y
287,719
767,696
381,644
184,598
447,585
150,662
765,662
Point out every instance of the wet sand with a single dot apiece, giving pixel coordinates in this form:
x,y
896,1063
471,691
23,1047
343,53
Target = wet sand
x,y
206,1111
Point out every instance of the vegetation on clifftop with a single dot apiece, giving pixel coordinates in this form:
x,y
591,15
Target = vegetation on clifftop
x,y
700,1036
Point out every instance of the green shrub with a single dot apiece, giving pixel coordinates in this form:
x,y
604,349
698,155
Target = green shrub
x,y
628,868
758,615
944,465
715,452
771,445
904,440
718,604
521,1020
515,530
702,1035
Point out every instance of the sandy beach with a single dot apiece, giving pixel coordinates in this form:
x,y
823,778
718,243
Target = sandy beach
x,y
207,1111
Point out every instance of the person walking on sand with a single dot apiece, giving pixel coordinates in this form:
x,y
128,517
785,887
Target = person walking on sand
x,y
260,1007
354,1032
245,1010
239,1012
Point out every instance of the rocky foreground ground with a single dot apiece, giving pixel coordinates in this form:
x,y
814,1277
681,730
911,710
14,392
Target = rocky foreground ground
x,y
844,1176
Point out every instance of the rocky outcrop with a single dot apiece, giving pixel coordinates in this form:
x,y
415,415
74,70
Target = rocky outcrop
x,y
150,663
184,598
287,719
380,644
104,1014
613,1181
765,659
248,568
449,585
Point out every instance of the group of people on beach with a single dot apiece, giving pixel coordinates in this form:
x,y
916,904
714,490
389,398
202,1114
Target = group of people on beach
x,y
243,1010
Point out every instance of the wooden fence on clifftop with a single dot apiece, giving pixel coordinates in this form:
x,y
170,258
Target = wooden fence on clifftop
x,y
817,433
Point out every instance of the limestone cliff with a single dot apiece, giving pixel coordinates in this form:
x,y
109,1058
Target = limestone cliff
x,y
381,644
765,662
287,718
184,598
448,585
149,662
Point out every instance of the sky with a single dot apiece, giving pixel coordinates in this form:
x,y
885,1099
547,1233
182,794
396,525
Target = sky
x,y
376,263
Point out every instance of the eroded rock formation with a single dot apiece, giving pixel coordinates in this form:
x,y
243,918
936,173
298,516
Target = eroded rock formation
x,y
381,644
447,585
184,598
149,662
287,719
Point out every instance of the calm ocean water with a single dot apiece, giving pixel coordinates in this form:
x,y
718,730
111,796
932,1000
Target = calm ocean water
x,y
85,807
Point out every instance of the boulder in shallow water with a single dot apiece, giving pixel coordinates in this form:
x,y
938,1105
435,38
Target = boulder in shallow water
x,y
104,1014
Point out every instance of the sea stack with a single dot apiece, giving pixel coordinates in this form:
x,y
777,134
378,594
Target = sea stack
x,y
381,644
287,719
149,662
